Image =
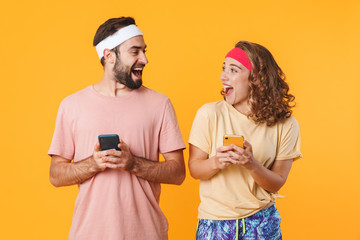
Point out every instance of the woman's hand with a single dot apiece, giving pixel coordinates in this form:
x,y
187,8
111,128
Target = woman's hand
x,y
241,156
223,157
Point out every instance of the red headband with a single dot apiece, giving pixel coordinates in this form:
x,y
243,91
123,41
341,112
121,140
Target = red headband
x,y
240,56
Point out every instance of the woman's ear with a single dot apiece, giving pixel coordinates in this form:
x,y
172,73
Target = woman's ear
x,y
254,78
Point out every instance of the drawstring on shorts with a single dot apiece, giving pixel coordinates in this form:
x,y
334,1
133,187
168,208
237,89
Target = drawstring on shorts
x,y
237,227
243,223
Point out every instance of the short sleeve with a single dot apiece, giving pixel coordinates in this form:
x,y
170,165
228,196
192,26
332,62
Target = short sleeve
x,y
170,135
200,131
289,141
62,143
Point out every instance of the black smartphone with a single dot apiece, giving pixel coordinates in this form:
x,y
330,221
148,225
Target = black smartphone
x,y
109,141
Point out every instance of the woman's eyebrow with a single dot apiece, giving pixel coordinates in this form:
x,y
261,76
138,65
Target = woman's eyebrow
x,y
234,65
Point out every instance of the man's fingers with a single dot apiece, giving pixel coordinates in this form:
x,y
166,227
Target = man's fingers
x,y
114,165
112,152
97,147
111,159
123,146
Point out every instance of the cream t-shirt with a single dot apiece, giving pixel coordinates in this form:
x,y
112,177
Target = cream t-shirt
x,y
232,193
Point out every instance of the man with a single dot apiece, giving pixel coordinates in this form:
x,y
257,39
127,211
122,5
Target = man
x,y
118,190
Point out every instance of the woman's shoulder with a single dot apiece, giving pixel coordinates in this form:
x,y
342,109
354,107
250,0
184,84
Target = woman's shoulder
x,y
289,123
291,120
212,106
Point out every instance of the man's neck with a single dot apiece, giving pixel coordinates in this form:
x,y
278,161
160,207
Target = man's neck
x,y
110,87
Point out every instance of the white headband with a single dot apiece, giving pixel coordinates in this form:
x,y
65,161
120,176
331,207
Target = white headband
x,y
117,38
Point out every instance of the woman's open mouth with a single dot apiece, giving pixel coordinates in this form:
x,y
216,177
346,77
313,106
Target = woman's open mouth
x,y
228,90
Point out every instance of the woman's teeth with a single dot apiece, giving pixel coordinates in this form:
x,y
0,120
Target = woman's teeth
x,y
227,88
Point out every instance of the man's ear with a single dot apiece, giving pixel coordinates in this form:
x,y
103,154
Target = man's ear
x,y
109,56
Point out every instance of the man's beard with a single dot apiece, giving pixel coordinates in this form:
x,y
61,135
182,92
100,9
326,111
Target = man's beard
x,y
123,76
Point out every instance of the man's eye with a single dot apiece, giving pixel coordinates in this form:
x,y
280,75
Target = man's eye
x,y
233,70
135,52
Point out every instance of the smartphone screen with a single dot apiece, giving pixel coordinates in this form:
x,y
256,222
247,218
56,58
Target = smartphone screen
x,y
109,141
233,139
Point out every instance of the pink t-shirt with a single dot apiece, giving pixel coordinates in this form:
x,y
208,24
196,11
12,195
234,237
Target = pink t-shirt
x,y
115,204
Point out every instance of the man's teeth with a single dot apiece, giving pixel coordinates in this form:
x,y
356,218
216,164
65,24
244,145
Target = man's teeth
x,y
137,71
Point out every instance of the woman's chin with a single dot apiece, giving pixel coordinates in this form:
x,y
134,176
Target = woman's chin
x,y
229,100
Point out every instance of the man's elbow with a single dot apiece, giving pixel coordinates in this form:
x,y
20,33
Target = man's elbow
x,y
55,170
180,174
54,181
180,179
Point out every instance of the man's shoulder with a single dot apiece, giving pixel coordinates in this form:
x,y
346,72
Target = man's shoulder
x,y
78,96
154,95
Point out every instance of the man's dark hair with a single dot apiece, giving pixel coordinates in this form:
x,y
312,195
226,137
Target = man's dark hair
x,y
110,27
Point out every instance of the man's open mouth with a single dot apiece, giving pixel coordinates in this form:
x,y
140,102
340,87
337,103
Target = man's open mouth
x,y
137,72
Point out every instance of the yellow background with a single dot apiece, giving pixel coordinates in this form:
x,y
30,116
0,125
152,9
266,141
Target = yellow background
x,y
46,54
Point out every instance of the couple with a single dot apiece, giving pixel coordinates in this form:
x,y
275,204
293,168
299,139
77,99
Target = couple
x,y
119,190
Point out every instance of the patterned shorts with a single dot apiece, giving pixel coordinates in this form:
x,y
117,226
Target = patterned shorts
x,y
263,225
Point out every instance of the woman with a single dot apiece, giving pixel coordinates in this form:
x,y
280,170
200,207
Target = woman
x,y
238,186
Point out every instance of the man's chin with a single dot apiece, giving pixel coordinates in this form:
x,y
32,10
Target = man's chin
x,y
135,84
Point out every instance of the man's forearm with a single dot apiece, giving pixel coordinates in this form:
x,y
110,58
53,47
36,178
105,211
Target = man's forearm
x,y
64,173
170,171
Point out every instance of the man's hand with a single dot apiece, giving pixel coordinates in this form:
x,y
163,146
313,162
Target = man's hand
x,y
98,161
172,171
111,158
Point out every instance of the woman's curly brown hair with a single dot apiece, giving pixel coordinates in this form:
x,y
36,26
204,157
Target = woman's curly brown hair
x,y
269,96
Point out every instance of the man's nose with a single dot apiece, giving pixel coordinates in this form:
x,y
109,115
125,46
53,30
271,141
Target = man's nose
x,y
143,59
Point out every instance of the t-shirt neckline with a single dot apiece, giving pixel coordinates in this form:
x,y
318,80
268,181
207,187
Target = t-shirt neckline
x,y
93,91
232,108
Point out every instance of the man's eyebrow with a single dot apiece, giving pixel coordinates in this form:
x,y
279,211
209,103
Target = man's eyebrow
x,y
138,47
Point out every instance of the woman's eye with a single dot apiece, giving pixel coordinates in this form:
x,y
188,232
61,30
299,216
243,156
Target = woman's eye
x,y
233,70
